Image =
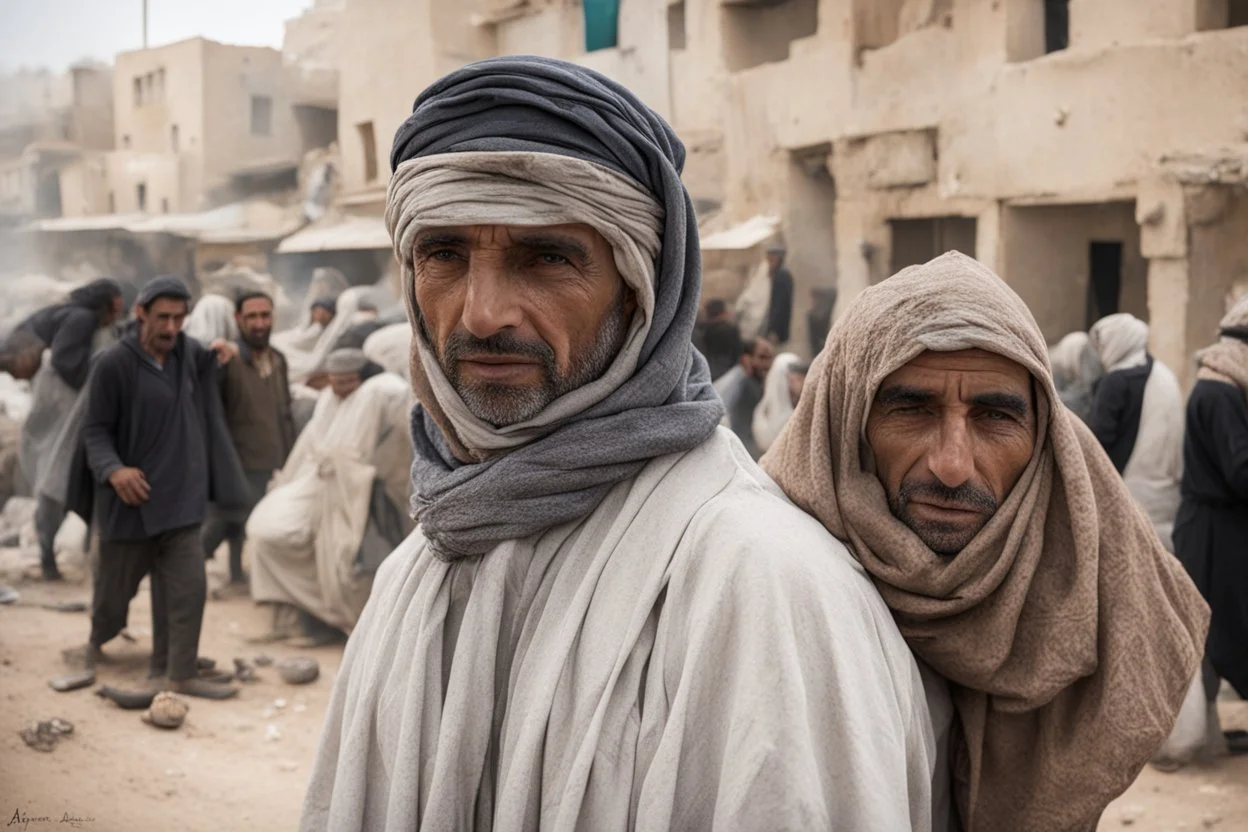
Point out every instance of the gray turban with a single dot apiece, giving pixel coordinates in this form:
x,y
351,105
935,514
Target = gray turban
x,y
565,117
342,362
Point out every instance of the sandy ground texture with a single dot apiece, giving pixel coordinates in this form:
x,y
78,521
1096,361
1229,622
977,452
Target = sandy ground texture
x,y
243,764
239,764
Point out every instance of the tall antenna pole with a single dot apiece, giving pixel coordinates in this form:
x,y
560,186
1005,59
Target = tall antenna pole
x,y
144,24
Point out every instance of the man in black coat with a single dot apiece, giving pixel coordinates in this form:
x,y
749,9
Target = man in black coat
x,y
1211,532
780,307
151,425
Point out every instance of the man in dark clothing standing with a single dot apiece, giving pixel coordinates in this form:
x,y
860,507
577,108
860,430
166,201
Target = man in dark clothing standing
x,y
780,307
819,318
741,389
147,445
718,338
255,391
68,330
1211,532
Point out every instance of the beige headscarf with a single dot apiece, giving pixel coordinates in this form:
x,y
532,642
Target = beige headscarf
x,y
1227,360
1069,636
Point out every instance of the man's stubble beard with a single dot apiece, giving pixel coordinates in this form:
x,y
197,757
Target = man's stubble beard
x,y
257,341
501,405
944,539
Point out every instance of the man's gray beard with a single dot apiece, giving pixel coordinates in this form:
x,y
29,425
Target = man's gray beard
x,y
501,405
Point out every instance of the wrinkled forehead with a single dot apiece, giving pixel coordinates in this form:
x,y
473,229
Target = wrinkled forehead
x,y
964,377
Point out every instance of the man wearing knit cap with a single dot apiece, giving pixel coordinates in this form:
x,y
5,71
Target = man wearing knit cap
x,y
323,311
608,618
931,439
152,433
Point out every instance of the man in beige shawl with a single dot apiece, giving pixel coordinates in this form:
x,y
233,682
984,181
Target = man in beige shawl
x,y
1014,560
608,618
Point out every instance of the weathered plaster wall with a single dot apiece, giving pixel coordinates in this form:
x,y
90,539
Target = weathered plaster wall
x,y
1045,260
232,76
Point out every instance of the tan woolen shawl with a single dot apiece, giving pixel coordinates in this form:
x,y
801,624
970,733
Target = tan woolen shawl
x,y
1068,634
1227,360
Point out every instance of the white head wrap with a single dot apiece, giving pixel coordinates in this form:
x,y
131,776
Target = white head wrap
x,y
1121,340
528,189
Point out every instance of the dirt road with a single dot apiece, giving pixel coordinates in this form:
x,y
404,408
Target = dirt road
x,y
241,764
224,769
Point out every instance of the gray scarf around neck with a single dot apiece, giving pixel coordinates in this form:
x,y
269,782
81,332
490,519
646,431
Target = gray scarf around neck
x,y
668,405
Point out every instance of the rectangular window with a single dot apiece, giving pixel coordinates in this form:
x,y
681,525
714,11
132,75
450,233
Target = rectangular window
x,y
369,142
160,84
1056,25
676,25
602,24
140,193
261,115
173,138
112,202
164,205
138,92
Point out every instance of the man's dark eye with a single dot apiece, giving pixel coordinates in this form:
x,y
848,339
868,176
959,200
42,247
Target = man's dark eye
x,y
998,416
553,260
442,254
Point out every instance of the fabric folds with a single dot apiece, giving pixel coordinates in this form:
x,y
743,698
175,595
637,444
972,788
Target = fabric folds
x,y
468,500
1067,633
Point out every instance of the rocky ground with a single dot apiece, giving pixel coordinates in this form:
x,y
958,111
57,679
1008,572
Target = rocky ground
x,y
243,764
239,764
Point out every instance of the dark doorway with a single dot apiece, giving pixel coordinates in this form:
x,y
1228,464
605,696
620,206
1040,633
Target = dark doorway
x,y
917,241
1056,25
1104,279
1237,13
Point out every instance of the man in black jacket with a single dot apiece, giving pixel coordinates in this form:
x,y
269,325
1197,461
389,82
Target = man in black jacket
x,y
147,443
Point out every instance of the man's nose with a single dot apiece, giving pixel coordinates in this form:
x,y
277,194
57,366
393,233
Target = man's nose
x,y
952,459
491,300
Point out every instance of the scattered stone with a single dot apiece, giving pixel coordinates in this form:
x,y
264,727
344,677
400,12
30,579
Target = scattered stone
x,y
280,704
300,670
263,661
244,672
288,765
272,733
167,711
43,736
1210,821
66,606
1130,814
268,713
9,595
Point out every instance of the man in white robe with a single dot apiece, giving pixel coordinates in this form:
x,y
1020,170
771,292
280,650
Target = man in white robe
x,y
306,533
608,618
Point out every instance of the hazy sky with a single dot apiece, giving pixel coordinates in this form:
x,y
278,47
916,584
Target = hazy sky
x,y
55,33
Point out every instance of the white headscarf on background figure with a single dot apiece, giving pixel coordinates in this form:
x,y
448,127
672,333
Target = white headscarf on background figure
x,y
776,408
1121,340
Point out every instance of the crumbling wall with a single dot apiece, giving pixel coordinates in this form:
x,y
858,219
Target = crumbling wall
x,y
1045,252
1217,256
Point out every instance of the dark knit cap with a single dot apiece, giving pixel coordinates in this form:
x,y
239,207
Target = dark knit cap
x,y
165,286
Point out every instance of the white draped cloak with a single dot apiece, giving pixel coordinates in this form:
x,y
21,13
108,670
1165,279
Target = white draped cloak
x,y
697,653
